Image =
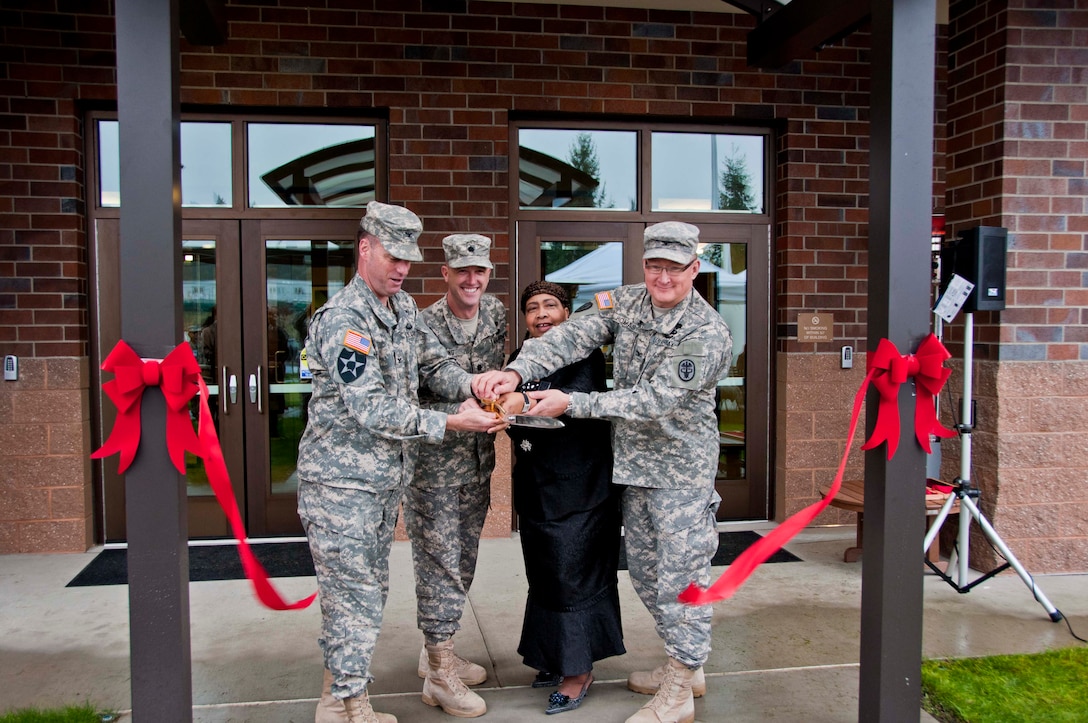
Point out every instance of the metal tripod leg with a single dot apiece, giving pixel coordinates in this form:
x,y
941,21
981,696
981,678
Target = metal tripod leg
x,y
968,507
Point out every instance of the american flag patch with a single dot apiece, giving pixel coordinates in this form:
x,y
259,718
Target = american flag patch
x,y
604,299
358,342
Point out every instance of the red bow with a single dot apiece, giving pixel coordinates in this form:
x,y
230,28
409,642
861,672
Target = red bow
x,y
889,370
926,367
177,376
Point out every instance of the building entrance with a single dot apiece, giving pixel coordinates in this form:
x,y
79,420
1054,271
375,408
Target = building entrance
x,y
248,290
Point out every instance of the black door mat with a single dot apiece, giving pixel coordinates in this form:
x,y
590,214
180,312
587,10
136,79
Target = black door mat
x,y
206,562
730,545
292,559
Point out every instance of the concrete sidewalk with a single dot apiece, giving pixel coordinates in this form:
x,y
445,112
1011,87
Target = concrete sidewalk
x,y
785,647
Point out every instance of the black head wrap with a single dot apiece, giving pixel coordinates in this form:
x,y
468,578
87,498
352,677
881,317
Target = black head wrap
x,y
544,287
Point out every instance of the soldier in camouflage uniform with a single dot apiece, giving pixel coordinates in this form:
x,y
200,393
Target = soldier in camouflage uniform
x,y
368,349
670,350
447,501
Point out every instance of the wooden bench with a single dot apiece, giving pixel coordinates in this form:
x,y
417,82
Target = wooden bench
x,y
851,497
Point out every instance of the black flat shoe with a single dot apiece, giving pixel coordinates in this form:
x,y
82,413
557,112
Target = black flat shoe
x,y
561,702
546,680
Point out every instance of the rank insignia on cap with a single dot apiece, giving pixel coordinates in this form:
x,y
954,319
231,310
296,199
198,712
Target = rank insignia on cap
x,y
358,342
604,299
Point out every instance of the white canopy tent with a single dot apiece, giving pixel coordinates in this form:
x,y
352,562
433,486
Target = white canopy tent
x,y
602,270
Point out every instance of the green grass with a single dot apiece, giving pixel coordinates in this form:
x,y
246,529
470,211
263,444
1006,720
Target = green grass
x,y
72,714
1050,687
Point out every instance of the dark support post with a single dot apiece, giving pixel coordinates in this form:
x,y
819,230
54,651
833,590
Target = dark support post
x,y
155,498
901,192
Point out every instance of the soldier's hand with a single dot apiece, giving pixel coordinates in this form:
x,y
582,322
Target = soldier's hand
x,y
475,420
490,385
513,403
549,403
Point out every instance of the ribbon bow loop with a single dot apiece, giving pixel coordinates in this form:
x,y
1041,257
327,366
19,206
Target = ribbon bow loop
x,y
889,370
177,376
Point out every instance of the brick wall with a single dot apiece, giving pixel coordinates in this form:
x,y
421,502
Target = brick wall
x,y
1018,140
451,75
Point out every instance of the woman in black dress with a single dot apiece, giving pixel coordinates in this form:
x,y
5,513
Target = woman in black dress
x,y
569,519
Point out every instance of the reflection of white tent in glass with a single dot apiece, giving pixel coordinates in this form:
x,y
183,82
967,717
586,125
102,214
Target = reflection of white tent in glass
x,y
602,270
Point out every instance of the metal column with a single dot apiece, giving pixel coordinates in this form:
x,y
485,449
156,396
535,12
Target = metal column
x,y
901,192
155,495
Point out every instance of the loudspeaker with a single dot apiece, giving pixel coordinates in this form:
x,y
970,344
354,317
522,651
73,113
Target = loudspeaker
x,y
978,256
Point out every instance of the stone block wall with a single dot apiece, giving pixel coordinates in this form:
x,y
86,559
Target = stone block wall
x,y
45,501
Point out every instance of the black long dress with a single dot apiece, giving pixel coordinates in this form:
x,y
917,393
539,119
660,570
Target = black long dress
x,y
569,518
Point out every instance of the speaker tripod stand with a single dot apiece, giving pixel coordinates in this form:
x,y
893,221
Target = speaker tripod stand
x,y
967,495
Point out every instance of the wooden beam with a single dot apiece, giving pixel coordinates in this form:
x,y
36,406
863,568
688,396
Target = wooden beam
x,y
802,27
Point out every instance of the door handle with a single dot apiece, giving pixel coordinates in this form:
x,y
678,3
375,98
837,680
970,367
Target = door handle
x,y
255,391
232,390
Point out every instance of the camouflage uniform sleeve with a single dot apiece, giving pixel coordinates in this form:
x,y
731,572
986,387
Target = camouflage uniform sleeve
x,y
567,343
376,403
439,371
690,369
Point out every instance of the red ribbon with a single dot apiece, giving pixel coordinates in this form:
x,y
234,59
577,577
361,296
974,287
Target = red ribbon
x,y
926,366
178,375
921,363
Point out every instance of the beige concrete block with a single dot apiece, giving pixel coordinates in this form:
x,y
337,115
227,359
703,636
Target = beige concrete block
x,y
67,372
20,505
23,439
1014,522
68,503
1075,379
799,425
69,439
52,471
1052,414
52,536
64,406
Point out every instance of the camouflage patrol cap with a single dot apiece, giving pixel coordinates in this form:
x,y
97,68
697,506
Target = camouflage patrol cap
x,y
467,249
672,240
396,227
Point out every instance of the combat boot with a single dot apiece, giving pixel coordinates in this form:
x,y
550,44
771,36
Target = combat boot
x,y
329,709
673,702
443,688
358,710
470,673
645,682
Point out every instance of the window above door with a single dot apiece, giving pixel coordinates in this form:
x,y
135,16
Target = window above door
x,y
243,166
647,171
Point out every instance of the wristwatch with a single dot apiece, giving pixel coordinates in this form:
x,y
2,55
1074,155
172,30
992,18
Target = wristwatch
x,y
528,403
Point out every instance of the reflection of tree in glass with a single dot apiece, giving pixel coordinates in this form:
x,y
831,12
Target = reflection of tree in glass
x,y
583,156
712,253
736,194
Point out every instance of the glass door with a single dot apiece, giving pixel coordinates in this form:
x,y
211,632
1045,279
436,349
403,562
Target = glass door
x,y
289,269
248,291
594,256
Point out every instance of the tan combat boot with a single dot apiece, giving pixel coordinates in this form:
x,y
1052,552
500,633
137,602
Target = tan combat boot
x,y
673,702
648,682
470,673
443,688
358,710
329,709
